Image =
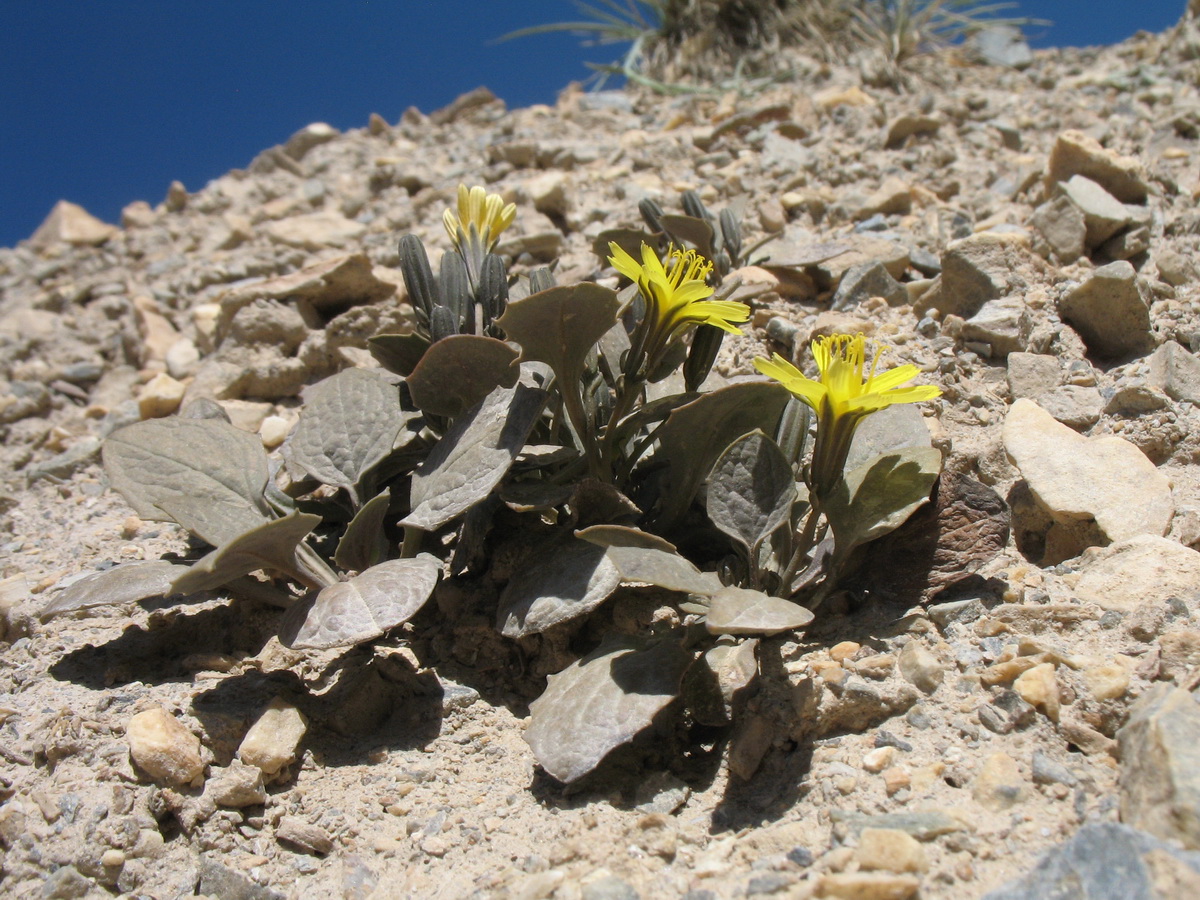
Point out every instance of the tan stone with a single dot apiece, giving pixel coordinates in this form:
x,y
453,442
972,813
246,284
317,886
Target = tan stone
x,y
157,333
1107,681
852,96
868,886
1075,153
315,231
1142,570
921,668
160,396
999,784
72,224
163,748
274,739
1076,478
1039,688
890,849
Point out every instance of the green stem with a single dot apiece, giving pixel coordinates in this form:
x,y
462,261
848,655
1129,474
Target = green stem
x,y
311,570
412,541
568,389
628,391
804,543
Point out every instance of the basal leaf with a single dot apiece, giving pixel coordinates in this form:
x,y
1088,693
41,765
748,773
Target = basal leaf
x,y
269,546
695,434
663,568
879,495
624,536
737,610
398,353
364,543
601,702
565,579
127,583
474,454
349,424
369,604
459,371
894,428
560,326
207,465
751,490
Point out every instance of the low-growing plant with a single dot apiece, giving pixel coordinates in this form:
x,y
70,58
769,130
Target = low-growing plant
x,y
576,412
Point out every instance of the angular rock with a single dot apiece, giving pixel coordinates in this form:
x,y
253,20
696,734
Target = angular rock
x,y
1111,312
999,784
1075,153
1108,862
1103,214
906,126
921,668
1061,223
980,268
72,224
1176,370
1141,570
549,193
1032,374
891,850
315,231
1003,324
160,396
308,837
274,739
1075,478
308,137
1075,406
1160,765
867,280
236,786
163,748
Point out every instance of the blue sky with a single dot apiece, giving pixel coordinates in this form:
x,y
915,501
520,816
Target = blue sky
x,y
106,103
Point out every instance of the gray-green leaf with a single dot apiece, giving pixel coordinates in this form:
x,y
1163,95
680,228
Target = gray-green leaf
x,y
349,424
751,490
712,683
269,546
459,371
217,470
559,326
364,543
878,496
370,604
601,702
474,455
737,610
665,569
565,579
127,583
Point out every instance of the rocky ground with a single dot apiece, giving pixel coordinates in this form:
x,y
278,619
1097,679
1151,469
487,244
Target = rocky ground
x,y
1026,237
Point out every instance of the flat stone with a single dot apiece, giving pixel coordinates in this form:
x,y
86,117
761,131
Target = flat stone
x,y
1108,862
1160,765
72,224
921,668
1075,478
330,286
1133,397
980,268
308,837
1032,374
163,748
1103,214
217,880
1111,312
315,231
868,886
904,127
925,825
236,786
274,739
1074,405
1141,570
1075,153
1175,370
891,850
160,396
1004,324
1061,224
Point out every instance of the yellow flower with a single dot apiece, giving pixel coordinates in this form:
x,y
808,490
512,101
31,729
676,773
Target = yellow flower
x,y
480,219
843,397
675,293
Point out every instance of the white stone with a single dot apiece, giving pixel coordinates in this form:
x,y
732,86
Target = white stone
x,y
160,396
273,740
1145,569
72,224
1076,478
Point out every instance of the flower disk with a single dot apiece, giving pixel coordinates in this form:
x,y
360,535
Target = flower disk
x,y
675,293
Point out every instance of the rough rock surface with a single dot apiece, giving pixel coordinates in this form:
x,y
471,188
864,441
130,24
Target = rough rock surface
x,y
932,734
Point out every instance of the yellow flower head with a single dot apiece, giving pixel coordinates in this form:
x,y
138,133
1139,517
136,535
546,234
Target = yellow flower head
x,y
846,393
480,219
675,293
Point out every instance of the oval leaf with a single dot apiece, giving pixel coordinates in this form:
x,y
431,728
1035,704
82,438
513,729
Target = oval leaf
x,y
696,433
751,490
601,702
398,353
369,604
878,496
737,610
560,326
127,583
473,456
459,371
349,424
665,569
624,536
562,581
215,472
710,686
269,546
